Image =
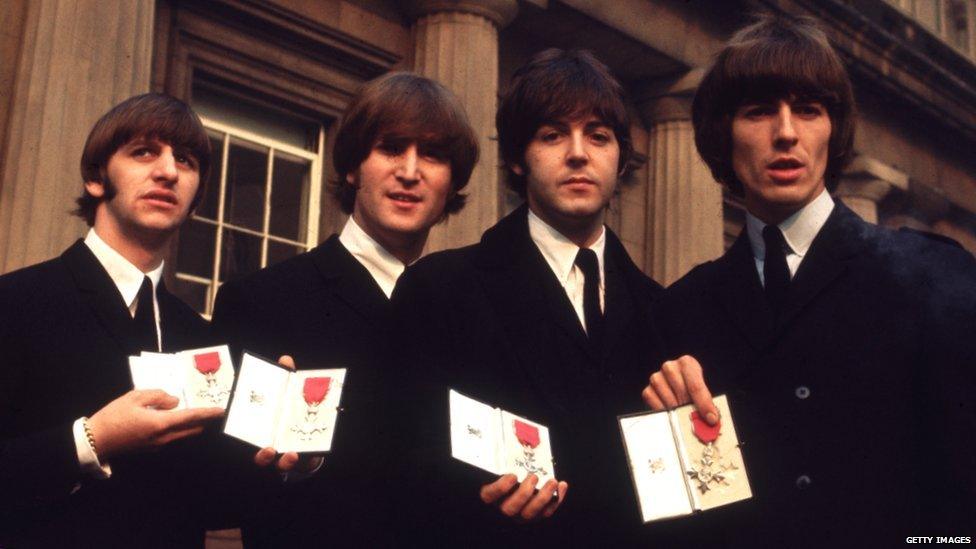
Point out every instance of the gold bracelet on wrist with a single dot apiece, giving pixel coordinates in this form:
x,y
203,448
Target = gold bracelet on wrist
x,y
89,436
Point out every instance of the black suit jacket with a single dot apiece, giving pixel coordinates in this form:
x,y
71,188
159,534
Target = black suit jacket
x,y
65,338
324,309
855,410
493,322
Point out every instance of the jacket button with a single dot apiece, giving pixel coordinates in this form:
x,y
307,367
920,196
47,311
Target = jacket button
x,y
802,392
803,482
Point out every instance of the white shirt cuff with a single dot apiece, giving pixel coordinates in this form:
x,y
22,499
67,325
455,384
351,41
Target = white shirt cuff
x,y
86,455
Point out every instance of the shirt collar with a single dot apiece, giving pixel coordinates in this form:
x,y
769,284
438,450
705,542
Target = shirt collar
x,y
126,276
799,229
381,264
559,251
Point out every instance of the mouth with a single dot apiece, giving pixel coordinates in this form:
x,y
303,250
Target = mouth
x,y
161,196
579,181
785,170
404,198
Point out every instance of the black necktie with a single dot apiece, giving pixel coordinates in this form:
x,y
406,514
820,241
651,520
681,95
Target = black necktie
x,y
587,262
776,274
145,319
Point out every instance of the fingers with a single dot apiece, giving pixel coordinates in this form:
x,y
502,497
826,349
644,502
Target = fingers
x,y
490,493
694,380
178,434
551,507
189,418
513,505
287,361
533,509
674,371
287,461
156,398
651,399
659,384
264,457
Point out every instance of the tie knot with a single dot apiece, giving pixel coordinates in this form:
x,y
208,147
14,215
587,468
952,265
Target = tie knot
x,y
773,238
587,262
145,290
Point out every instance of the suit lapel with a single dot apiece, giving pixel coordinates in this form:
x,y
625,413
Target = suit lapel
x,y
350,282
618,303
528,300
828,257
740,292
101,294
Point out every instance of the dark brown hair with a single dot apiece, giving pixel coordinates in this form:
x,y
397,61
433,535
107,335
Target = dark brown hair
x,y
558,85
149,116
776,57
401,106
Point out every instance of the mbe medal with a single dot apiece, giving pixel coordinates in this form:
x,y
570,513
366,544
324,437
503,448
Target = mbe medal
x,y
528,437
314,391
208,364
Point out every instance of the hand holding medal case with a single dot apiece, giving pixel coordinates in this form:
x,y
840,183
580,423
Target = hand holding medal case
x,y
497,441
200,378
681,465
290,411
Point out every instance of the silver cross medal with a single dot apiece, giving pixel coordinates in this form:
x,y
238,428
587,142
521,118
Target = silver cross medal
x,y
709,470
308,429
212,392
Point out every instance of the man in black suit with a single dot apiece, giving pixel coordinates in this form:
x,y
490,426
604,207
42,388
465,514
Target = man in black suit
x,y
846,350
403,154
546,317
75,466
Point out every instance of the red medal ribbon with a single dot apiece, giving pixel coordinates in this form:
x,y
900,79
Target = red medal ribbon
x,y
315,389
207,363
705,432
527,434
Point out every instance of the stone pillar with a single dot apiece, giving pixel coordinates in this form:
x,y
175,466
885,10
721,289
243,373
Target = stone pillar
x,y
865,183
457,45
78,58
684,203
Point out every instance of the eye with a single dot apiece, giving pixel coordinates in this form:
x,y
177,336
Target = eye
x,y
432,153
391,147
756,111
808,110
142,152
186,159
549,135
602,137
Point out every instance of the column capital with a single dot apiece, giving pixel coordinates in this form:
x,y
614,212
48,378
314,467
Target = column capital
x,y
668,99
499,12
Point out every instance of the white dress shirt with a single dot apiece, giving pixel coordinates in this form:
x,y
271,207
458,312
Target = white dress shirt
x,y
128,279
799,230
560,253
381,264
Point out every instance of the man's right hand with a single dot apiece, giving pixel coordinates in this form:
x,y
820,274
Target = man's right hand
x,y
677,383
524,504
144,420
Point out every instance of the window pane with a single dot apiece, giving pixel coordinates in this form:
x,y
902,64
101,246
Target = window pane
x,y
195,253
289,196
193,294
240,254
957,24
278,252
247,168
208,206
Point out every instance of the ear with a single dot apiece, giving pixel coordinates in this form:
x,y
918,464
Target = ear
x,y
351,180
95,188
517,169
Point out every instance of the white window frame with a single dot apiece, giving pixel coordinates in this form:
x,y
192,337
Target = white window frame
x,y
228,132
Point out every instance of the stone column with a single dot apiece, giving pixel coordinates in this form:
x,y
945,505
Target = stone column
x,y
78,58
865,183
457,45
684,203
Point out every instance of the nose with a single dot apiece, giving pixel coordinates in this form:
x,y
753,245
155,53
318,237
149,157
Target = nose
x,y
785,133
576,155
165,169
408,172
